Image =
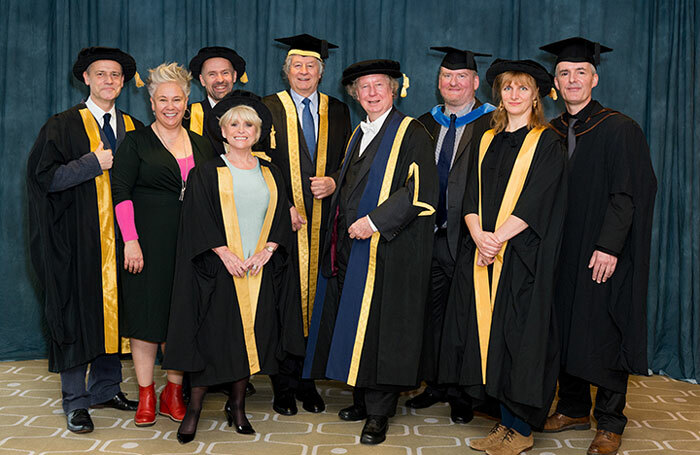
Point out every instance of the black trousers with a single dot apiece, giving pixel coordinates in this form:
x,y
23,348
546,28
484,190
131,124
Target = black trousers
x,y
103,382
288,379
376,402
575,401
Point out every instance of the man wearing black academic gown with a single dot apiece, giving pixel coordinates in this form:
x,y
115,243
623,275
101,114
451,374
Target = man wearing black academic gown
x,y
604,265
217,68
368,320
310,130
455,127
72,236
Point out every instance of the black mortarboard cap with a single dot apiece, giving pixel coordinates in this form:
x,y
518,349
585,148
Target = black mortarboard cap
x,y
544,80
229,54
576,49
237,98
89,55
457,59
308,45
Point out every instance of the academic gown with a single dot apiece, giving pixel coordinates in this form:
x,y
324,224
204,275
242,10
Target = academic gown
x,y
604,332
206,333
523,349
463,161
391,347
217,146
146,173
65,244
338,133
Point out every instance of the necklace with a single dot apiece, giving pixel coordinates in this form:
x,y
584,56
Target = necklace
x,y
183,182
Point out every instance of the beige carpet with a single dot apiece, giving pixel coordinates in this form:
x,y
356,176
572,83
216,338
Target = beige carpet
x,y
664,418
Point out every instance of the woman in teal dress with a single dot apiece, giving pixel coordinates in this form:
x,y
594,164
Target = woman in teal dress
x,y
228,306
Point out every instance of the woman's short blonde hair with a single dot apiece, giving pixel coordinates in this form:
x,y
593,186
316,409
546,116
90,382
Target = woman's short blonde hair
x,y
245,114
168,72
499,120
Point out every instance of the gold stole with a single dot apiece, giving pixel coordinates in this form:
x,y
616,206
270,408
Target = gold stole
x,y
485,297
197,118
248,287
110,306
308,255
384,193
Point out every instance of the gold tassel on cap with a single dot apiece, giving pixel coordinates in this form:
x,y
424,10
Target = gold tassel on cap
x,y
406,84
553,94
244,78
137,80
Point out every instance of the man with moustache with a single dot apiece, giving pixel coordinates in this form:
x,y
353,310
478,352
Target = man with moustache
x,y
73,239
604,263
368,320
309,133
455,127
217,69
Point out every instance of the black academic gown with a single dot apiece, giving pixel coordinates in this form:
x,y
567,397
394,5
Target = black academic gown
x,y
217,146
393,340
205,335
523,350
338,135
65,242
603,325
463,161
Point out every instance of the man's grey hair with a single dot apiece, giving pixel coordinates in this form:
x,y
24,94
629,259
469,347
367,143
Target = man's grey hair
x,y
393,83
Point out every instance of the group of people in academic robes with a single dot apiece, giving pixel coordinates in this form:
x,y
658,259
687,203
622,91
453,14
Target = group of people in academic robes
x,y
480,248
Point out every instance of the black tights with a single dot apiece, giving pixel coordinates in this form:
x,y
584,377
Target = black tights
x,y
235,403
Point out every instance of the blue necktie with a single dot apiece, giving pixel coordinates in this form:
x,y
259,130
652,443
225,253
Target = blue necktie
x,y
307,125
109,133
443,165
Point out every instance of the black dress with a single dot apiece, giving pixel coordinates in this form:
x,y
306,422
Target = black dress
x,y
523,350
146,172
212,334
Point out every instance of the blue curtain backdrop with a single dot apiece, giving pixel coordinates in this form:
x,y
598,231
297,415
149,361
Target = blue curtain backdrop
x,y
651,76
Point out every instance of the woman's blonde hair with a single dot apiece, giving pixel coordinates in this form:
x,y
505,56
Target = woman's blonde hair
x,y
242,113
168,72
499,120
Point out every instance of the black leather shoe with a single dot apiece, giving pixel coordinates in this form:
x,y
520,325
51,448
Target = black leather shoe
x,y
120,402
374,431
312,401
352,413
249,389
460,412
79,421
424,400
285,404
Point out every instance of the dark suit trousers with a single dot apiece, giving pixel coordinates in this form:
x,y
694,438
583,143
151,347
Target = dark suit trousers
x,y
376,402
103,383
575,401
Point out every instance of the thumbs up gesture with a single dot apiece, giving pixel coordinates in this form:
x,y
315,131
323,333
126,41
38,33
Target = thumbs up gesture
x,y
104,156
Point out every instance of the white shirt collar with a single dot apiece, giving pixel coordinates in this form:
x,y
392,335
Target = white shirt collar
x,y
373,127
212,102
99,114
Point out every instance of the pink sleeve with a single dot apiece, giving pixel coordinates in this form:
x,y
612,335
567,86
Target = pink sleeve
x,y
125,219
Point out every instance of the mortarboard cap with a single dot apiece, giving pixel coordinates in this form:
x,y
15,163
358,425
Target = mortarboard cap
x,y
229,54
391,68
457,59
307,45
89,55
576,49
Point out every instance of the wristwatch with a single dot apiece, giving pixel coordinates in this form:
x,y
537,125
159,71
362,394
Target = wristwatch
x,y
270,249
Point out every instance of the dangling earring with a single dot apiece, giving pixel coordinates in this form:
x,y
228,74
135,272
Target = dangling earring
x,y
500,105
534,103
187,114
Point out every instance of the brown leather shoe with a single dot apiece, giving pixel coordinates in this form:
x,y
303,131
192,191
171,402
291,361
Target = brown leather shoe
x,y
605,443
559,422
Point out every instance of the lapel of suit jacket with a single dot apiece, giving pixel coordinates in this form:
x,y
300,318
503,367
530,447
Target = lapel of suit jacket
x,y
466,134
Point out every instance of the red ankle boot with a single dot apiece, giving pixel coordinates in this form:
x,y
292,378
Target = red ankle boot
x,y
146,411
171,403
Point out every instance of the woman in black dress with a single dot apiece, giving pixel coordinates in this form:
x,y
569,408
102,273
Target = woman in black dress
x,y
148,183
499,338
229,298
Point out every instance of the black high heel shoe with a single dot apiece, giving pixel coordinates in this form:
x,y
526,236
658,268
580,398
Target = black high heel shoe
x,y
242,429
184,438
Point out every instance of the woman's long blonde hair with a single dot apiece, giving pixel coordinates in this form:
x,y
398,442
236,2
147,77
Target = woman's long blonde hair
x,y
499,120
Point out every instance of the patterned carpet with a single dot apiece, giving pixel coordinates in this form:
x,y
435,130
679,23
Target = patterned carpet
x,y
664,418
